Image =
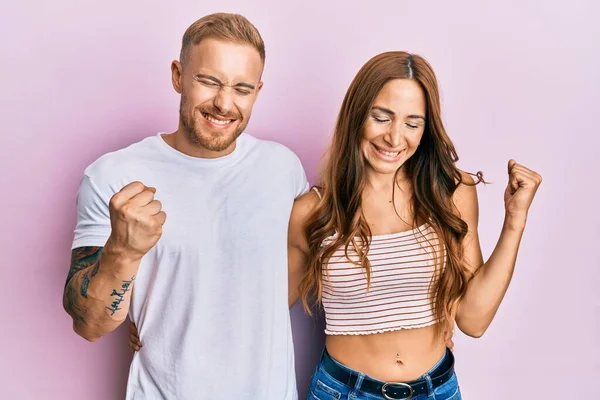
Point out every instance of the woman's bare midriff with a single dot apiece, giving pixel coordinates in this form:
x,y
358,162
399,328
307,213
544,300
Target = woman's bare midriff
x,y
397,356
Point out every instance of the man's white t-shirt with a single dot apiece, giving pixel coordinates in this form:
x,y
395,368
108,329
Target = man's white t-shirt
x,y
210,299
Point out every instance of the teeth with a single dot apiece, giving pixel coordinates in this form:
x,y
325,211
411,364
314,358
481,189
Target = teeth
x,y
389,153
217,121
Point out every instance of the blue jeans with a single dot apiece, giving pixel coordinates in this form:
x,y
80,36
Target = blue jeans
x,y
324,387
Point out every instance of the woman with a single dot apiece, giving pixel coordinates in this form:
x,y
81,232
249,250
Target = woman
x,y
389,245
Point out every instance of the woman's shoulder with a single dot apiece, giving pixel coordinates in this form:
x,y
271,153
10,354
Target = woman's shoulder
x,y
305,205
466,179
465,195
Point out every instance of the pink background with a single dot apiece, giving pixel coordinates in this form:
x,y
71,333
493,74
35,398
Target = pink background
x,y
80,78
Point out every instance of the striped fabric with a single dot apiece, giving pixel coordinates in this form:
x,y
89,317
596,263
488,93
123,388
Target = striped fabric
x,y
402,268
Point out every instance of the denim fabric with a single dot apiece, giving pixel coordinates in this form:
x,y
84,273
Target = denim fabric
x,y
324,387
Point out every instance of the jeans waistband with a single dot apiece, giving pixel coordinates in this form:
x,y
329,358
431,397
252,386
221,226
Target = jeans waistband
x,y
438,375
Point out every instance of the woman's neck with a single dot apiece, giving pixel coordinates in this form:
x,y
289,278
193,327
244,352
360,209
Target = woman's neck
x,y
382,185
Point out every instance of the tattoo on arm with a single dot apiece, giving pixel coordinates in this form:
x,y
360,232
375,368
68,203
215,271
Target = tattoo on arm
x,y
81,258
76,310
119,295
85,282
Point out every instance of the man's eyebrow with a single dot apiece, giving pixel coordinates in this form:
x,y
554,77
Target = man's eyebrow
x,y
218,81
209,77
246,85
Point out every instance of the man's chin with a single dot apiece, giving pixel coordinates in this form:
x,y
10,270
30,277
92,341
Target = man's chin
x,y
216,145
217,148
215,140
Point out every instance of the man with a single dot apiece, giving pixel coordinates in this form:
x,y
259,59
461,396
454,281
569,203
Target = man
x,y
187,232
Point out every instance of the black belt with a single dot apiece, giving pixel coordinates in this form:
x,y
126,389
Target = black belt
x,y
391,390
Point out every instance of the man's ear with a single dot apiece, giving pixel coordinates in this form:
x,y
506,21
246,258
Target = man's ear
x,y
176,75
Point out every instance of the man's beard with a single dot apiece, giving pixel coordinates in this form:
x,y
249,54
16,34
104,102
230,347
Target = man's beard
x,y
213,140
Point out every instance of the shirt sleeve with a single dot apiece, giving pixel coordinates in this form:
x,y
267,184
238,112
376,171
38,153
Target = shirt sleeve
x,y
93,219
302,185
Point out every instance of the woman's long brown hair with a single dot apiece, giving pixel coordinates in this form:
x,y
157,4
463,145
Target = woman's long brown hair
x,y
431,170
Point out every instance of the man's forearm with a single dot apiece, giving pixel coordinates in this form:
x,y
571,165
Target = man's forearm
x,y
98,296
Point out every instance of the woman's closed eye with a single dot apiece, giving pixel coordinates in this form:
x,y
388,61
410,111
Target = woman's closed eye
x,y
381,120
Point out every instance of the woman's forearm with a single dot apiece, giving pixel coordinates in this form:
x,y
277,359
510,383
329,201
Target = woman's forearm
x,y
488,287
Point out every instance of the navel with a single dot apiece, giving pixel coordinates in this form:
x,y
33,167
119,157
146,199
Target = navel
x,y
398,359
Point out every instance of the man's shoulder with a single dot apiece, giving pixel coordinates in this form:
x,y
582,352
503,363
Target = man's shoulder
x,y
117,162
274,150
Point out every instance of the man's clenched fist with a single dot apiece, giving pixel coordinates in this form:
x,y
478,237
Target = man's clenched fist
x,y
136,218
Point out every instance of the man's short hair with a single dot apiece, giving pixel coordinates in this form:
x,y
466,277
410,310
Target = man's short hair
x,y
224,26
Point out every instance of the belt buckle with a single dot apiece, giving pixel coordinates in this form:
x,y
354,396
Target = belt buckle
x,y
384,390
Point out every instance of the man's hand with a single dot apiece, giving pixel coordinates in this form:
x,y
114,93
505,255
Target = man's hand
x,y
448,337
134,339
136,218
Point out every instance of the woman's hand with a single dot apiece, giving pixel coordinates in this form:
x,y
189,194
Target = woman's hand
x,y
520,191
